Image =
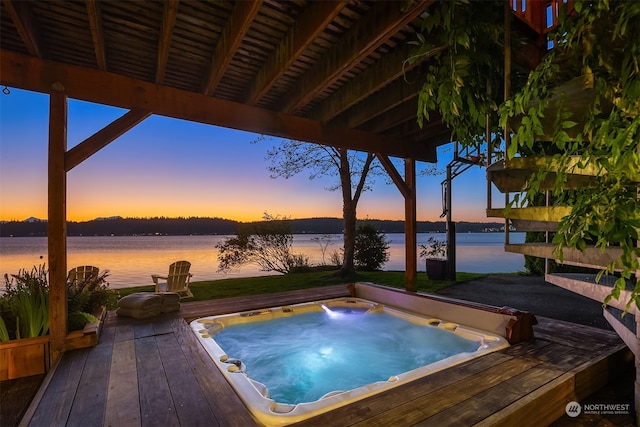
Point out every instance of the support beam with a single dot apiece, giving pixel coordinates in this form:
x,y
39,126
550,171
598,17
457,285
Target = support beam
x,y
231,37
164,41
57,223
394,175
100,139
410,228
110,89
22,19
97,33
407,187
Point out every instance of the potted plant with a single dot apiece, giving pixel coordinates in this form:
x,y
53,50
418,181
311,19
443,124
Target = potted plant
x,y
24,319
24,325
435,255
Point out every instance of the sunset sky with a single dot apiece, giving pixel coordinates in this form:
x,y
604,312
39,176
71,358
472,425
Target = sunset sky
x,y
168,167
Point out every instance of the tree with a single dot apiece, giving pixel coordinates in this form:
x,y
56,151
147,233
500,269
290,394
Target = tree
x,y
371,248
266,244
354,171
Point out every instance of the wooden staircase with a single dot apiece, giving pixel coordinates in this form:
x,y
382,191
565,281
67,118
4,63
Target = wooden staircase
x,y
512,176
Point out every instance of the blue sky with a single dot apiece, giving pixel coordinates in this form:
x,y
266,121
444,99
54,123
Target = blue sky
x,y
169,167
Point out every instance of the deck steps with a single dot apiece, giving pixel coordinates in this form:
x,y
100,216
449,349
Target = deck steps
x,y
586,285
534,218
591,257
512,176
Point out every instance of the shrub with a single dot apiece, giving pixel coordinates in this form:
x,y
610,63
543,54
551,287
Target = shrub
x,y
371,248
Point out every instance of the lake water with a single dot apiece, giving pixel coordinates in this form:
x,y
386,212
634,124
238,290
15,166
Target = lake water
x,y
131,260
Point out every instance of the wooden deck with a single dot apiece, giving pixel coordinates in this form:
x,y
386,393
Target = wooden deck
x,y
154,372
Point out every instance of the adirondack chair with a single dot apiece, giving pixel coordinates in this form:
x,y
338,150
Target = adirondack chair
x,y
83,273
176,281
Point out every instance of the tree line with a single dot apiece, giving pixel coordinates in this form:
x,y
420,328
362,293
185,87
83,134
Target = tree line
x,y
217,226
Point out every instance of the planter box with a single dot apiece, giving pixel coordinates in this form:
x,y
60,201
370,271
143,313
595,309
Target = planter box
x,y
24,357
30,356
436,269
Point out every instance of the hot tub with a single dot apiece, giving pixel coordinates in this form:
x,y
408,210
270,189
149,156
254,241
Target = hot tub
x,y
285,370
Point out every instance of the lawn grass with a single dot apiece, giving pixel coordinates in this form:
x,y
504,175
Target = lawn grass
x,y
227,288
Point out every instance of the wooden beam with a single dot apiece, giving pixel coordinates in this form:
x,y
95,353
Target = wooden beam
x,y
97,33
230,39
363,38
164,41
100,139
57,223
394,175
307,28
111,89
407,187
22,19
410,227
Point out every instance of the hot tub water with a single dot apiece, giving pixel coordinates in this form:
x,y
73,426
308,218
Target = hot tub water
x,y
302,358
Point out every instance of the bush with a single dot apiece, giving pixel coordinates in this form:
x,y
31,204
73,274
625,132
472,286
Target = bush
x,y
371,248
266,244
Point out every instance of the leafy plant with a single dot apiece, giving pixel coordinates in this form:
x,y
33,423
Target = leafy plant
x,y
435,249
463,82
4,333
24,306
27,299
86,297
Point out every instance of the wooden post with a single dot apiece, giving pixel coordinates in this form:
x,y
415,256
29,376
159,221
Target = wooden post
x,y
57,222
410,227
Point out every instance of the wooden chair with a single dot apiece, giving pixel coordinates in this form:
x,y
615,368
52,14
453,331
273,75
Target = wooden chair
x,y
176,281
84,273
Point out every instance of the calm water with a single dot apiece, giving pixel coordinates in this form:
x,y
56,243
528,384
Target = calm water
x,y
131,260
322,355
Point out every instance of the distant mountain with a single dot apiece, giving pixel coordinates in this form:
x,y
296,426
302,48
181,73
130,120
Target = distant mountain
x,y
32,219
118,226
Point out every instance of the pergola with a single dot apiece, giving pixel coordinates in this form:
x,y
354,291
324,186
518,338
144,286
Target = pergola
x,y
328,72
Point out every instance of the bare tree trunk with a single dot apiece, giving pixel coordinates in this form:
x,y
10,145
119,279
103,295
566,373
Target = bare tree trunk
x,y
349,204
349,216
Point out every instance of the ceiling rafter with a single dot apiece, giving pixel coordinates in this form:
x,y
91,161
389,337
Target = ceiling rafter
x,y
308,26
230,39
393,117
23,20
399,91
164,40
97,33
363,38
125,92
388,69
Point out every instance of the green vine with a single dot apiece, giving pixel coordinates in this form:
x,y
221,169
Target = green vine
x,y
463,78
600,42
596,41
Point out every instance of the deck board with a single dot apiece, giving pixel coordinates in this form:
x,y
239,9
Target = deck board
x,y
155,372
123,409
91,397
156,403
